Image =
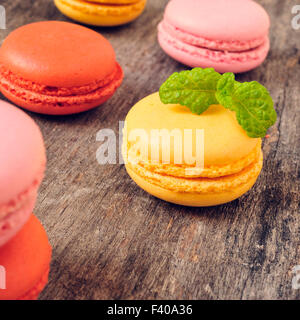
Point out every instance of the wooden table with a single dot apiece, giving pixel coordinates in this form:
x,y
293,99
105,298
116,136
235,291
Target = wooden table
x,y
111,240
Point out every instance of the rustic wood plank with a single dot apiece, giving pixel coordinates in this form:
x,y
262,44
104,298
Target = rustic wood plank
x,y
113,241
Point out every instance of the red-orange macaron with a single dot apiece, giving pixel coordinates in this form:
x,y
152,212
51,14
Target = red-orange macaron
x,y
55,67
24,263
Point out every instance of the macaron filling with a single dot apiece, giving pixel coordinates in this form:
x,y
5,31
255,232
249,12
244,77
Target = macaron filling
x,y
212,179
13,215
214,44
105,9
209,171
200,185
37,93
22,199
200,47
114,2
14,221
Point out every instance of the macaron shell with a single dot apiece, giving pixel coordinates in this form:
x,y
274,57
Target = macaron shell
x,y
227,35
22,153
50,105
191,199
12,223
34,293
26,259
193,56
43,108
219,19
58,54
183,170
201,184
115,1
233,46
225,140
100,14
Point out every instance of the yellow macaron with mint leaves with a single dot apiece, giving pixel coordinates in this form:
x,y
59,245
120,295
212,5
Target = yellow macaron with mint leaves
x,y
197,142
105,13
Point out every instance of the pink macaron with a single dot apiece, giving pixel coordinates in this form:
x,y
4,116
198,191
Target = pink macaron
x,y
227,35
22,165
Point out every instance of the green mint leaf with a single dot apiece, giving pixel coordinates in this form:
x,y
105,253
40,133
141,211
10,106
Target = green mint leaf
x,y
225,89
252,103
199,88
195,89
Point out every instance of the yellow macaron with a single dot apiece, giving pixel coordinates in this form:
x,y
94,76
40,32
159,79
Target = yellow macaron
x,y
102,12
232,160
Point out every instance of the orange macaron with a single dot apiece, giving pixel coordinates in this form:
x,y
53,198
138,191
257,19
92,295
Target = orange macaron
x,y
24,262
58,68
197,142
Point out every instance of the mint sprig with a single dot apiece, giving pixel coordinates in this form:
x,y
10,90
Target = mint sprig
x,y
225,89
199,88
195,89
253,106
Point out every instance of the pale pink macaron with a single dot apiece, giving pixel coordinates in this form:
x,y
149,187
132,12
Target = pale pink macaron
x,y
22,165
227,35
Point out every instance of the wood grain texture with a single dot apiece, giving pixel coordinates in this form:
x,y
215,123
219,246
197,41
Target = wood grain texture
x,y
111,240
